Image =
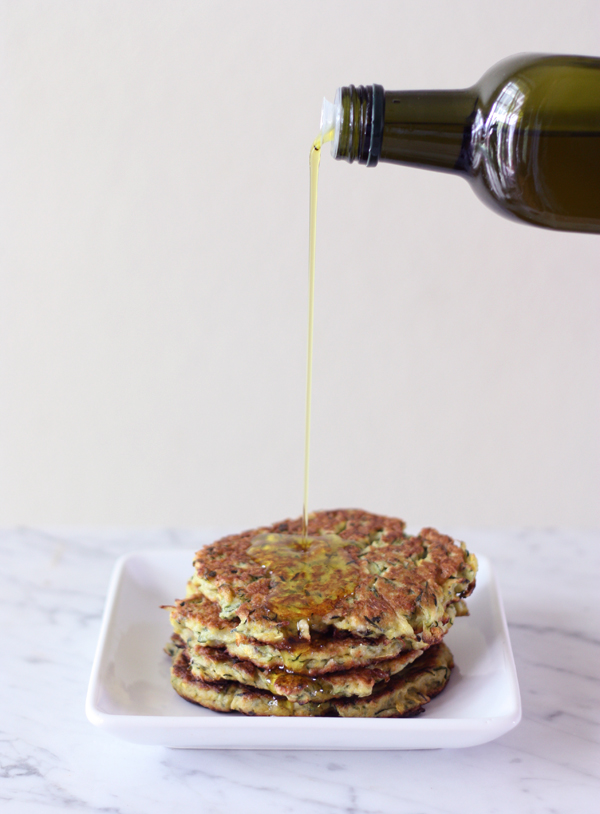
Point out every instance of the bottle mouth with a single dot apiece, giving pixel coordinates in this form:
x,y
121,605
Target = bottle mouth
x,y
354,123
331,122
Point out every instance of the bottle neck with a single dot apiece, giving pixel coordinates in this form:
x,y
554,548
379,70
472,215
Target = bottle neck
x,y
430,129
359,124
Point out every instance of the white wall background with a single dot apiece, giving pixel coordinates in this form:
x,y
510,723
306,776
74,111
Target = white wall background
x,y
154,180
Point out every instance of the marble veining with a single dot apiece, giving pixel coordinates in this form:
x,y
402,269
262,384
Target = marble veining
x,y
52,589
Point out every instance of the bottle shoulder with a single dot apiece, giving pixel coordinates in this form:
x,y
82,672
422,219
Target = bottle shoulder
x,y
535,140
567,80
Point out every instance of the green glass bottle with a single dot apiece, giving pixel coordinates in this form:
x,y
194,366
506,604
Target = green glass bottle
x,y
526,136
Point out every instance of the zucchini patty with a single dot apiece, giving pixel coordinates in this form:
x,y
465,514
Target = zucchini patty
x,y
405,694
197,621
214,664
357,572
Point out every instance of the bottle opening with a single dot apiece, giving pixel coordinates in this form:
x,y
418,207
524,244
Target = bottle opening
x,y
331,122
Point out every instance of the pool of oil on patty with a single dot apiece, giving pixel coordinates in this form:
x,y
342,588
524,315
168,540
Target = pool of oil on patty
x,y
309,574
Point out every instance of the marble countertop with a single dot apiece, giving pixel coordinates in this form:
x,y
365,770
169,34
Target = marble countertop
x,y
52,589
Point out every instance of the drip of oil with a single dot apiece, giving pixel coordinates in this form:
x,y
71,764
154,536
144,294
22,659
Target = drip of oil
x,y
315,160
308,575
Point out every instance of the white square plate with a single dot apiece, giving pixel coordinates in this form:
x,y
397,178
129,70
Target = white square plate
x,y
130,694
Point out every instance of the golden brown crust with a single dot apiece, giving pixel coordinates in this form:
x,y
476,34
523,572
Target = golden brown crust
x,y
399,586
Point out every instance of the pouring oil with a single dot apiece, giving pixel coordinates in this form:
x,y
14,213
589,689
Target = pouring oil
x,y
308,563
314,160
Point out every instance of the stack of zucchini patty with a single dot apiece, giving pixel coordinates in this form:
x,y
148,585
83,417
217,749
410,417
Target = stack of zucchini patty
x,y
345,620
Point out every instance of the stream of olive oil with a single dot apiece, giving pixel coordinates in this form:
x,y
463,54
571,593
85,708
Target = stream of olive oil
x,y
315,160
308,574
